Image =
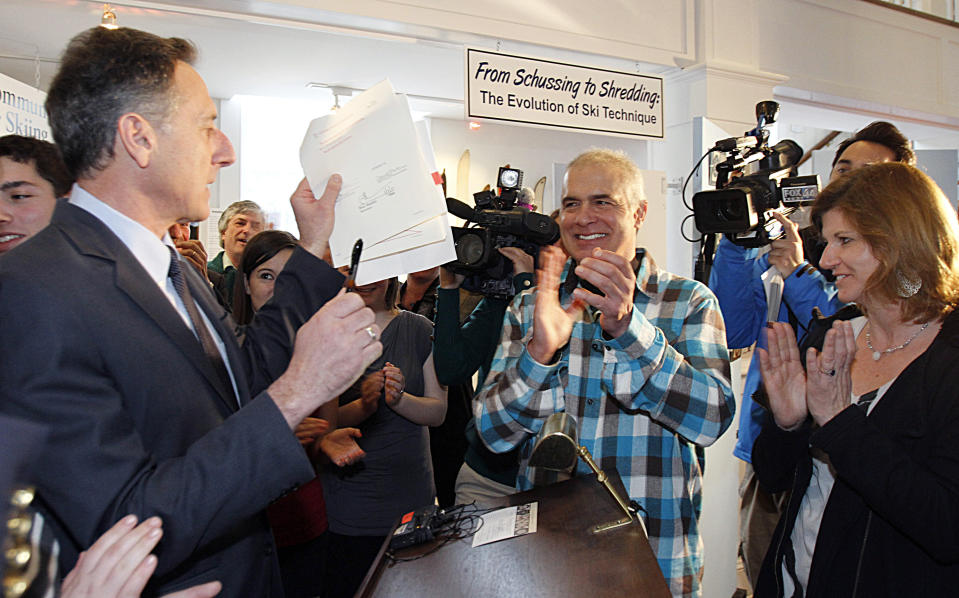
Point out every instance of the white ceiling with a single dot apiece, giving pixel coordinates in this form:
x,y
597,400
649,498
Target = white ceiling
x,y
240,55
245,49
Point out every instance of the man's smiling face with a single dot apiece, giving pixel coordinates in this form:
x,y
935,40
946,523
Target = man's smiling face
x,y
596,212
26,202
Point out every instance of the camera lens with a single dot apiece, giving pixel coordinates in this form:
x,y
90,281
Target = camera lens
x,y
731,212
469,249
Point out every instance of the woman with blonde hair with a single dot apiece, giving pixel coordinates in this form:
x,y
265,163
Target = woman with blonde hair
x,y
866,430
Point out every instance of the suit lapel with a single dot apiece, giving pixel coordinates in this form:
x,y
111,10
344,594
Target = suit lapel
x,y
94,239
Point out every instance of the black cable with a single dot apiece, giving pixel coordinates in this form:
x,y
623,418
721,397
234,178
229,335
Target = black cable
x,y
691,174
682,229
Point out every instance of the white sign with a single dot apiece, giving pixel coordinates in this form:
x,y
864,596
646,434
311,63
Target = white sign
x,y
557,94
21,110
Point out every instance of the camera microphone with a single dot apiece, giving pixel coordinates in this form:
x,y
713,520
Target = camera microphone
x,y
459,209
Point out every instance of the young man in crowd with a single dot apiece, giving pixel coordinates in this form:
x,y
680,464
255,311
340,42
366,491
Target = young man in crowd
x,y
32,177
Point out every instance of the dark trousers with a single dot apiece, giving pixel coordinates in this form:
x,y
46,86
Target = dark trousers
x,y
303,567
348,560
448,443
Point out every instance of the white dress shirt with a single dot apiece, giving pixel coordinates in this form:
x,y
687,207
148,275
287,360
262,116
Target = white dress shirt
x,y
153,255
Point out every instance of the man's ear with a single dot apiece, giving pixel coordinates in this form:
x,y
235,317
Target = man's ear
x,y
640,214
137,137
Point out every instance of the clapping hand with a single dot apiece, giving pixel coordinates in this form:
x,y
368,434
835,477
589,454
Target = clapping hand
x,y
783,376
310,429
341,447
822,390
395,383
828,377
552,323
613,275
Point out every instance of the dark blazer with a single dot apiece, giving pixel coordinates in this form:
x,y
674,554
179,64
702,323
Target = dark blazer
x,y
139,423
891,524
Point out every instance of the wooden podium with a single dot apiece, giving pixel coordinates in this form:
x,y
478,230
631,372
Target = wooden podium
x,y
562,558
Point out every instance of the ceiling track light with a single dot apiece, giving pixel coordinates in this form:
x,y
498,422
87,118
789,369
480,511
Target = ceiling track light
x,y
109,18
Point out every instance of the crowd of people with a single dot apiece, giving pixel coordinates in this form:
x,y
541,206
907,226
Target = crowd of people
x,y
240,425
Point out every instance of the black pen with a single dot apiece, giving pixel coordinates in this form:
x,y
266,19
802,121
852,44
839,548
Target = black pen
x,y
354,264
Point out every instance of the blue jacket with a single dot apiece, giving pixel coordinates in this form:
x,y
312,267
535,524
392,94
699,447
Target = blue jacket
x,y
735,279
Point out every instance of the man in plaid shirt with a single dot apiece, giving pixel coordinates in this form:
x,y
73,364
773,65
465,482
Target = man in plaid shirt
x,y
637,355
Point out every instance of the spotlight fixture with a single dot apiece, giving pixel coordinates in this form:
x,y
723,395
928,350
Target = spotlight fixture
x,y
109,18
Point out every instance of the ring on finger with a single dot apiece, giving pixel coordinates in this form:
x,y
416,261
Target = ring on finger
x,y
831,372
369,330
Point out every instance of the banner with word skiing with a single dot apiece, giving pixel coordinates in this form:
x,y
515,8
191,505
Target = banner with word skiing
x,y
22,110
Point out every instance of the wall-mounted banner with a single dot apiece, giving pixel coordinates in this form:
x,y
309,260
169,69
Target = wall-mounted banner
x,y
557,94
21,110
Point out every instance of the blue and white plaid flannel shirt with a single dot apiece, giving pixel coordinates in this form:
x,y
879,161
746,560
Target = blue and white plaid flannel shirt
x,y
646,403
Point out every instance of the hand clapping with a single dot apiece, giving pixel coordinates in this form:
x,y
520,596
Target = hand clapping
x,y
822,390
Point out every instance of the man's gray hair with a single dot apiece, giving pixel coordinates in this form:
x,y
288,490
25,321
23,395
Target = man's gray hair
x,y
633,177
238,207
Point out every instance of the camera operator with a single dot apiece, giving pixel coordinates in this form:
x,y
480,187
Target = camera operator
x,y
736,280
458,353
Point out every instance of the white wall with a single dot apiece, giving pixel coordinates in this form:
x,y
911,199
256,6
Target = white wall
x,y
532,150
870,54
834,50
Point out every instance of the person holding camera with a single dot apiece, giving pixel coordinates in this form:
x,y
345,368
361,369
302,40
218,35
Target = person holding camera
x,y
736,279
459,351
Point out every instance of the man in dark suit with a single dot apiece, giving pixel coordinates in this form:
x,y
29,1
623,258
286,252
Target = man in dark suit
x,y
112,341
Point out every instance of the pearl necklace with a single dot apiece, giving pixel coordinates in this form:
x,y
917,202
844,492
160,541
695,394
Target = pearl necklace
x,y
877,354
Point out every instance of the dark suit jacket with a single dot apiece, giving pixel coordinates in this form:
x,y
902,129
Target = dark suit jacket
x,y
223,279
139,423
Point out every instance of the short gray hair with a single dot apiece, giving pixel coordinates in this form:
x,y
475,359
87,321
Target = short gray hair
x,y
104,74
617,159
238,207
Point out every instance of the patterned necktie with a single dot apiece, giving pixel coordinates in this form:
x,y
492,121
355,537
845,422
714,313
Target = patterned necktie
x,y
199,327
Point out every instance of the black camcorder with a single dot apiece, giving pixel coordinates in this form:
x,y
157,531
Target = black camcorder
x,y
740,207
497,222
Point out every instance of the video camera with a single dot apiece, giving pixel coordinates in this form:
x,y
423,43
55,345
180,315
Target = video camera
x,y
498,223
740,207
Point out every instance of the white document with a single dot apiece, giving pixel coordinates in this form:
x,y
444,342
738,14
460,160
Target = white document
x,y
388,188
508,522
410,260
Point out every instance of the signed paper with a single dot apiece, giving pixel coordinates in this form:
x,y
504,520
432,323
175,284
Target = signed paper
x,y
507,522
388,194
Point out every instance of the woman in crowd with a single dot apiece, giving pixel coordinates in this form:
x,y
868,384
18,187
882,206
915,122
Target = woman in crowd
x,y
298,519
392,405
867,434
